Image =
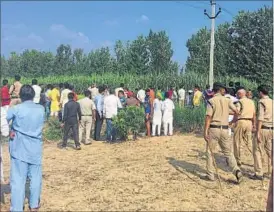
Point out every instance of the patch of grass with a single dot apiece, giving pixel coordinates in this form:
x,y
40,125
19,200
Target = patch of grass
x,y
53,130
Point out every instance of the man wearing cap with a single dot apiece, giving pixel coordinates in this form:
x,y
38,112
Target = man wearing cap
x,y
246,121
216,131
264,132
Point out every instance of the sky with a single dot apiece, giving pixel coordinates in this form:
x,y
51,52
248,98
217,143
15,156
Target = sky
x,y
43,25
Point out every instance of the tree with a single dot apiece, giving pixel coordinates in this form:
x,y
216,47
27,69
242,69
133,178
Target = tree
x,y
160,50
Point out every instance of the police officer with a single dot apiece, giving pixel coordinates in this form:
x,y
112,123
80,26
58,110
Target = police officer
x,y
216,131
88,110
246,123
264,132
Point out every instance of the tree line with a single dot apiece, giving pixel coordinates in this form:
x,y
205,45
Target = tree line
x,y
242,48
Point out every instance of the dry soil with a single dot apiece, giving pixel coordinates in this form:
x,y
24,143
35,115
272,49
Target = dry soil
x,y
153,174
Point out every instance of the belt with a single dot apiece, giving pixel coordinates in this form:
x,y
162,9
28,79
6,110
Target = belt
x,y
245,119
267,128
219,126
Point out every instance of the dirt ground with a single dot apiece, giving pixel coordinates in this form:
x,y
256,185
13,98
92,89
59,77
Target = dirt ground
x,y
153,174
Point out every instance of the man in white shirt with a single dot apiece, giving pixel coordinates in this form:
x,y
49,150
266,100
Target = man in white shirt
x,y
119,89
182,96
174,95
141,95
64,96
37,90
111,105
157,116
231,95
94,91
168,107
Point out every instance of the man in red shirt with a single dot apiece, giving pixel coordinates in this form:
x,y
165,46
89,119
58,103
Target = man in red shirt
x,y
5,96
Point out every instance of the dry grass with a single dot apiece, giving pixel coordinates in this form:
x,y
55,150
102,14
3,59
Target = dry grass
x,y
156,174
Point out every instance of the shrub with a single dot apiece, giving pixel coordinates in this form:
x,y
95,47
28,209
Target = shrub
x,y
53,130
129,120
189,119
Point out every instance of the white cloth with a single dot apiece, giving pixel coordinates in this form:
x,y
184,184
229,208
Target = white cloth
x,y
141,95
117,90
94,92
111,105
157,117
182,94
4,122
168,107
64,97
37,90
5,133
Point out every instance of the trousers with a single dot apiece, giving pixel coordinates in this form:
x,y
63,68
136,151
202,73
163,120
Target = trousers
x,y
18,175
260,148
157,122
75,131
221,137
111,131
181,103
85,125
98,127
168,125
242,133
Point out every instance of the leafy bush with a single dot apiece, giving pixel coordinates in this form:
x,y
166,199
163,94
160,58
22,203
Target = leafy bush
x,y
53,130
129,120
189,119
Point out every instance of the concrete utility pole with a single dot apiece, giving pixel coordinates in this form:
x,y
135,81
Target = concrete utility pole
x,y
212,43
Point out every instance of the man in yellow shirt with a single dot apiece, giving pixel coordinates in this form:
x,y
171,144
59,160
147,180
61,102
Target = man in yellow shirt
x,y
197,96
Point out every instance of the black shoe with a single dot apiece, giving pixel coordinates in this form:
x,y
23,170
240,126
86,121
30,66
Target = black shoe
x,y
239,176
78,148
256,177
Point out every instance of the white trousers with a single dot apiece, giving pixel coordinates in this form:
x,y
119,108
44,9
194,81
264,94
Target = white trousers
x,y
157,122
168,126
5,133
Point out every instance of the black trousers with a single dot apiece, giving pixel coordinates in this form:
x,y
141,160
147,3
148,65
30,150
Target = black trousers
x,y
75,130
98,127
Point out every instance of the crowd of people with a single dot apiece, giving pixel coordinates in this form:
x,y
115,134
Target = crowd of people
x,y
26,107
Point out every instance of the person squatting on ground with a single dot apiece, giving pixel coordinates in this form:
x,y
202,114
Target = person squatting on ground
x,y
168,108
99,104
264,132
88,111
157,116
216,131
26,149
245,123
71,119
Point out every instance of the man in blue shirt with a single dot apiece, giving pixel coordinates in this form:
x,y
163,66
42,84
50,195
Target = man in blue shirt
x,y
99,104
26,149
148,109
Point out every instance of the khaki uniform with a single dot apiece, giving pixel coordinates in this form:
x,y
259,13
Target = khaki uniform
x,y
14,92
243,129
87,107
265,114
218,109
